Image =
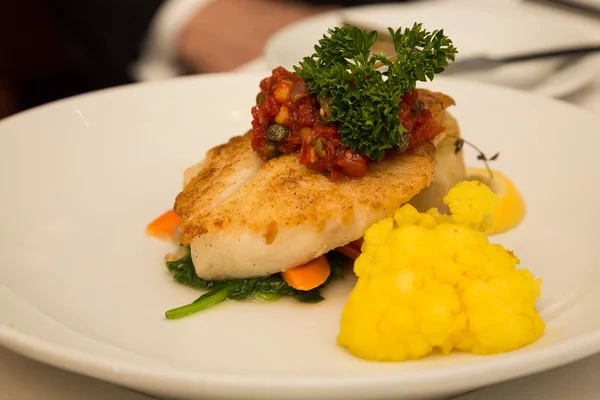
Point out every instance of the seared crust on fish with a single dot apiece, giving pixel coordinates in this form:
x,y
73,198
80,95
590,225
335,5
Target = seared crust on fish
x,y
284,214
224,170
243,217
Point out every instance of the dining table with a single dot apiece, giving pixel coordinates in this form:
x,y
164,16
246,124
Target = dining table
x,y
22,378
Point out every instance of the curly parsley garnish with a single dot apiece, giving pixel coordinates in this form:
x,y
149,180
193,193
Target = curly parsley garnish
x,y
363,103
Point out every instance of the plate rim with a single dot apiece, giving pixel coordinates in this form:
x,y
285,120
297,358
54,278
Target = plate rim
x,y
537,360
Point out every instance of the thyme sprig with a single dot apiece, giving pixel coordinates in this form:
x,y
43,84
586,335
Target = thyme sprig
x,y
460,142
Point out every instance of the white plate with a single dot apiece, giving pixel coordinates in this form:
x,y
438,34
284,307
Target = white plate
x,y
498,29
83,288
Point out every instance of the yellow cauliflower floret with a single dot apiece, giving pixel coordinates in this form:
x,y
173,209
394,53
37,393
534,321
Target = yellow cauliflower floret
x,y
471,203
428,281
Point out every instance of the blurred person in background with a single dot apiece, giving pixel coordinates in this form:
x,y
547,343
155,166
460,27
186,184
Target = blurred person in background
x,y
66,47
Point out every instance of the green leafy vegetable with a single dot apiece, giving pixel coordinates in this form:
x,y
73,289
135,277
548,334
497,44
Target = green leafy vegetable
x,y
216,295
364,105
268,288
186,274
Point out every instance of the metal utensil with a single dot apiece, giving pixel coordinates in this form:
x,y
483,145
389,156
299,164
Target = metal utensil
x,y
581,8
480,63
485,63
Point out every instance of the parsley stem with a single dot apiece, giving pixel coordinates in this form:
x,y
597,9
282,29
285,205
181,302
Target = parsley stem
x,y
380,64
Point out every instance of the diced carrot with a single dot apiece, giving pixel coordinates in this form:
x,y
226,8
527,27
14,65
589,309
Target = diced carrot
x,y
164,226
308,276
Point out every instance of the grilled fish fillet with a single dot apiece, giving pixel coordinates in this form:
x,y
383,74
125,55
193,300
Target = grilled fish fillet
x,y
243,217
449,170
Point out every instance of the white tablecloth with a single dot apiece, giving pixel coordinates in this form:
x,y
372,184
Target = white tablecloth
x,y
23,379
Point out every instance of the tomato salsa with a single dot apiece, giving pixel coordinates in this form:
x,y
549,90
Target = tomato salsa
x,y
288,119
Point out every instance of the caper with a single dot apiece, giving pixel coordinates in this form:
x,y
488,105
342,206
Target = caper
x,y
319,146
272,150
276,133
260,98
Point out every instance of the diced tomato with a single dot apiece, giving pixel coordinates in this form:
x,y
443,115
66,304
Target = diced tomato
x,y
286,100
352,163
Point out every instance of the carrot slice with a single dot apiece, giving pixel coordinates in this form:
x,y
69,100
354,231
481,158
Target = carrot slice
x,y
308,276
164,226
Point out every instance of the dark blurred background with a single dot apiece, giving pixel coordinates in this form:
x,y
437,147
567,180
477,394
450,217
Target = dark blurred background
x,y
48,50
51,49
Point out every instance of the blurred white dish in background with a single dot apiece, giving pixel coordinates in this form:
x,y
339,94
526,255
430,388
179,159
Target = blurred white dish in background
x,y
497,29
